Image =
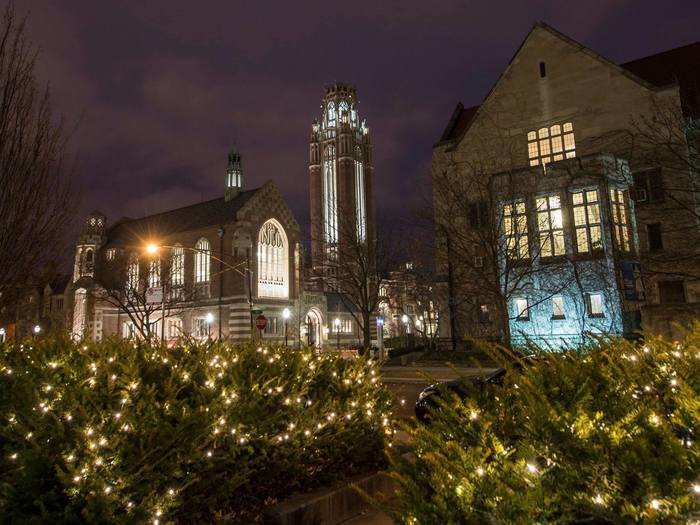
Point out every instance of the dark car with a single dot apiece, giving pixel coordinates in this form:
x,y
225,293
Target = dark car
x,y
428,398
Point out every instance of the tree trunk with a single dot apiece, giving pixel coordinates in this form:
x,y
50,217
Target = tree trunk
x,y
366,333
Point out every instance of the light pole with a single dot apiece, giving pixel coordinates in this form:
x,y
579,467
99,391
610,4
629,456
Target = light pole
x,y
2,335
380,336
285,315
404,319
210,319
337,332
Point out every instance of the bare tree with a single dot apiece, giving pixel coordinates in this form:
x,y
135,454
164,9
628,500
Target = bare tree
x,y
499,239
142,288
357,269
36,199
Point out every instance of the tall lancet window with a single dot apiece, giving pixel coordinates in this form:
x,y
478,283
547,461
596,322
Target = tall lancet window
x,y
360,209
343,111
201,261
330,192
273,261
330,115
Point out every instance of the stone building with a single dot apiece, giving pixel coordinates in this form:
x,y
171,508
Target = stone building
x,y
562,126
342,213
205,270
340,175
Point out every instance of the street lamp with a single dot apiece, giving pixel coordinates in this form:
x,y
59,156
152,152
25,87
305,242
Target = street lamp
x,y
209,318
380,336
285,315
37,329
337,332
404,319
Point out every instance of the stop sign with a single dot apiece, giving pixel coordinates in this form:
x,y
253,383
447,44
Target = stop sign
x,y
261,322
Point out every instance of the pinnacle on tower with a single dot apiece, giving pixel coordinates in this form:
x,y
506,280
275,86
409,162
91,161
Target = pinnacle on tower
x,y
234,174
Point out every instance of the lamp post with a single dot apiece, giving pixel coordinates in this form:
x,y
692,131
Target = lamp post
x,y
336,322
404,319
153,249
210,319
2,335
285,315
380,336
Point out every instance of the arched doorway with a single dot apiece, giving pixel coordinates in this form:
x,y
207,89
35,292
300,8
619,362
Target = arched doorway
x,y
314,328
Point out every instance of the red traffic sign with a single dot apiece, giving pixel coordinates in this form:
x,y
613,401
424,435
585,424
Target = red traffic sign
x,y
261,322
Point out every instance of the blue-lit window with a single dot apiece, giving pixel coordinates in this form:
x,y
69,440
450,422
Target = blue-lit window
x,y
558,310
594,304
522,309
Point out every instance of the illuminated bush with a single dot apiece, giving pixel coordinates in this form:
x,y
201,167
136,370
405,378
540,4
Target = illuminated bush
x,y
120,432
607,435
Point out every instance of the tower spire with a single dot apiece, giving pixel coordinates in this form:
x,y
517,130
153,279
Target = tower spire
x,y
234,174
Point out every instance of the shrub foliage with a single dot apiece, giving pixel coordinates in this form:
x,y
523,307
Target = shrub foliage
x,y
119,432
601,435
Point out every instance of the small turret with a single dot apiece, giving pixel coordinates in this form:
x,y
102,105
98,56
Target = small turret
x,y
234,175
92,237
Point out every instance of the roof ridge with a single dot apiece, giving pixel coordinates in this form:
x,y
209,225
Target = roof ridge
x,y
179,209
665,51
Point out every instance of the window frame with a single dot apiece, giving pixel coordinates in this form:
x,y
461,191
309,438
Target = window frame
x,y
515,230
551,232
555,316
589,305
202,261
620,219
521,314
549,144
588,226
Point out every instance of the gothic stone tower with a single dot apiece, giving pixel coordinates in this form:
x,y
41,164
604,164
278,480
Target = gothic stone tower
x,y
340,175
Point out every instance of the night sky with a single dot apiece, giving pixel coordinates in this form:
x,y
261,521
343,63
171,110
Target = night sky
x,y
161,92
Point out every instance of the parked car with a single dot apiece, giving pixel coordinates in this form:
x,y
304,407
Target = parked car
x,y
428,398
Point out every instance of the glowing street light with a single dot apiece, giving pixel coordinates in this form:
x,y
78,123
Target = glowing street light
x,y
151,248
336,322
209,318
37,328
285,315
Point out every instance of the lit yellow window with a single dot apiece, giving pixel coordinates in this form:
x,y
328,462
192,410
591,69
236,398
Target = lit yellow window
x,y
551,144
586,211
550,226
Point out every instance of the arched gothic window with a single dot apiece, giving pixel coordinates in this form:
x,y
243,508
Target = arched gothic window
x,y
201,261
353,117
343,110
330,115
273,261
330,192
360,207
177,267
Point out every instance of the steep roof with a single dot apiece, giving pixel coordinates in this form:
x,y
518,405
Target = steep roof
x,y
459,122
679,66
675,66
215,212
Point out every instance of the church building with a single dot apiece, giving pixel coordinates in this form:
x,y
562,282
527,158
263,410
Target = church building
x,y
207,270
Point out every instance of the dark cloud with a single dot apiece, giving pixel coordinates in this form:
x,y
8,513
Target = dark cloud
x,y
162,90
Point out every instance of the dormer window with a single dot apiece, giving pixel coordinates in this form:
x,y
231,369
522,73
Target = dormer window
x,y
551,144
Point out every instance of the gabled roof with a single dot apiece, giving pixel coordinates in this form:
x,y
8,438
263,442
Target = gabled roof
x,y
459,122
216,212
680,65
